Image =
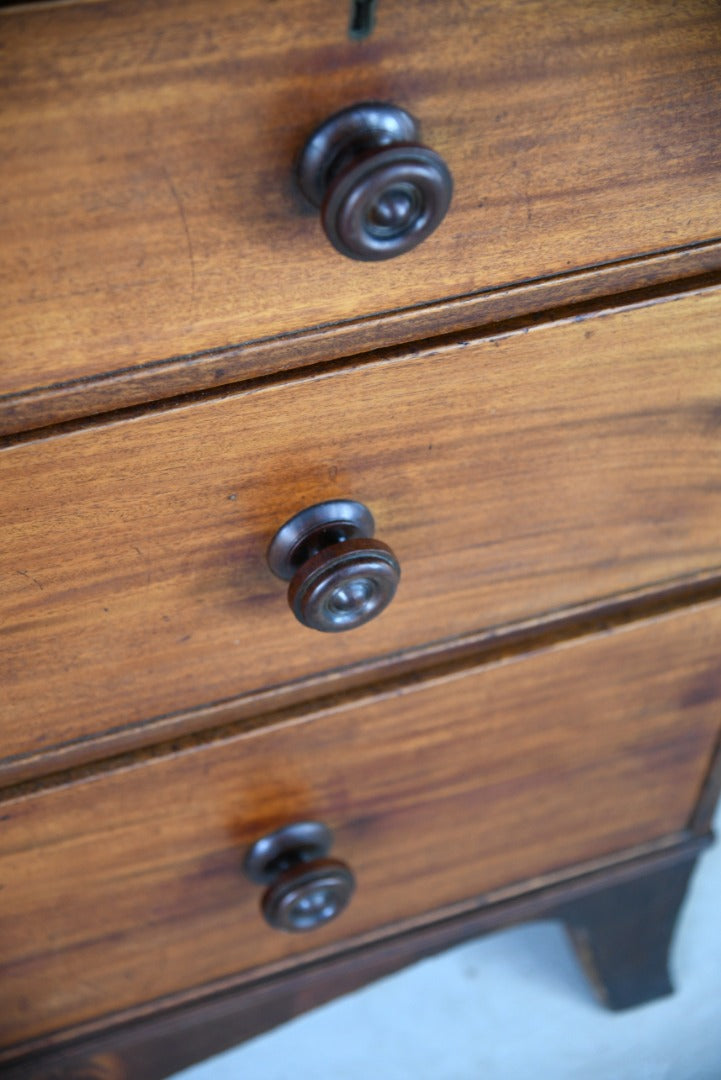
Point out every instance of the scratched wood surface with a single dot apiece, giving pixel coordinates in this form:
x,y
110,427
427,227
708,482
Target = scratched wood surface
x,y
147,206
120,888
512,477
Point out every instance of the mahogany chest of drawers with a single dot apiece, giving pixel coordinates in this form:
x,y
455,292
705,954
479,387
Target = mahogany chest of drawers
x,y
512,359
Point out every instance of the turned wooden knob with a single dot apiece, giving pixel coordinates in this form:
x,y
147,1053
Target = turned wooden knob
x,y
306,889
340,577
380,192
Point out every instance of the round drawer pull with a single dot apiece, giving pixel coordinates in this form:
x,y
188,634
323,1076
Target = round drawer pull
x,y
340,577
305,888
380,192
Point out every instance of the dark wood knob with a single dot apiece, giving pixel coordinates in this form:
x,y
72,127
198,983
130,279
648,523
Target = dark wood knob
x,y
340,577
306,889
380,192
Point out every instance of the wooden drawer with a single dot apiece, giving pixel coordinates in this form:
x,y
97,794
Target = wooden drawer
x,y
127,886
512,477
534,723
147,198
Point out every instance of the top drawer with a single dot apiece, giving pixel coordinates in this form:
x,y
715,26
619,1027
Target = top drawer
x,y
147,202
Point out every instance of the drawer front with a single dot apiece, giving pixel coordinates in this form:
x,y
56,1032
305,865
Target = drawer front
x,y
147,196
511,477
128,886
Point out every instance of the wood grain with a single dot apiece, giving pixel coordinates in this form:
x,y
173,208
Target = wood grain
x,y
127,886
116,747
632,280
151,1043
147,200
512,477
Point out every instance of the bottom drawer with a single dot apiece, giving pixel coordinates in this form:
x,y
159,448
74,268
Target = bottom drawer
x,y
126,886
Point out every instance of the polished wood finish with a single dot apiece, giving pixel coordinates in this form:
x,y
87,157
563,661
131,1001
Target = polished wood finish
x,y
340,578
512,476
149,211
304,887
565,294
530,404
124,886
152,1044
380,192
283,704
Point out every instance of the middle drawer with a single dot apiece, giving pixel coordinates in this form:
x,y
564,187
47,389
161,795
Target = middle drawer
x,y
512,477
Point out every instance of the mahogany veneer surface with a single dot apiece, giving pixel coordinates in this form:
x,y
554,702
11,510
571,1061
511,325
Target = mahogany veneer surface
x,y
546,477
147,201
512,476
126,886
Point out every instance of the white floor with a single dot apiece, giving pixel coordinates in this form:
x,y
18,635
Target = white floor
x,y
512,1006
